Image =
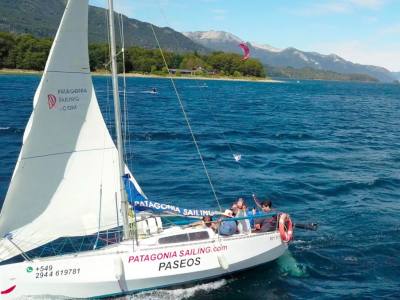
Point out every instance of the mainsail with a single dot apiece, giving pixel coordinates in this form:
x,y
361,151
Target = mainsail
x,y
66,180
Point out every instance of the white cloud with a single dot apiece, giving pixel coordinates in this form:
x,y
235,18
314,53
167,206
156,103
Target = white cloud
x,y
339,7
219,14
390,29
219,11
371,19
323,8
371,4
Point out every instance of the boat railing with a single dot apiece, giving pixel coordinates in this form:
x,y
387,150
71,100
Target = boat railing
x,y
104,238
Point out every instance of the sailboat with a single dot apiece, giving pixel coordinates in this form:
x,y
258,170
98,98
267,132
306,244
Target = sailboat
x,y
69,182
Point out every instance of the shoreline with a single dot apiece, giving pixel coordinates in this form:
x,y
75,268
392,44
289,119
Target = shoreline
x,y
140,75
19,71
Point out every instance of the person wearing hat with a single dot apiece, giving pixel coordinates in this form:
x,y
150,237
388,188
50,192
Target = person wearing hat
x,y
227,227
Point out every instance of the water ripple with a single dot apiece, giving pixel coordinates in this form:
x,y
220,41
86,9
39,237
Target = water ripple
x,y
327,152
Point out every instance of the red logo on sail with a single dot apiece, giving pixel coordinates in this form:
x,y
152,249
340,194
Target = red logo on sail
x,y
51,101
9,290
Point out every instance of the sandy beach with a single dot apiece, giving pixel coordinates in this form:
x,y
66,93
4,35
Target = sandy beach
x,y
97,73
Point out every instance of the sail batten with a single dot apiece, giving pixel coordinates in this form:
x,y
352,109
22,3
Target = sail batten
x,y
70,152
68,157
65,72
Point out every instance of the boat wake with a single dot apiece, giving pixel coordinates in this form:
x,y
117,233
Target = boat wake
x,y
180,293
175,294
149,92
42,297
288,265
5,130
197,86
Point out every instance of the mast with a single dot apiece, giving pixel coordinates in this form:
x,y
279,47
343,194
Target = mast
x,y
117,111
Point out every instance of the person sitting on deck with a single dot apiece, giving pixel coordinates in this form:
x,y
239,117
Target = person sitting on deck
x,y
227,227
206,222
265,223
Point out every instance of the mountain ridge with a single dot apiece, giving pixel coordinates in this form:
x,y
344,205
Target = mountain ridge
x,y
289,57
33,17
41,19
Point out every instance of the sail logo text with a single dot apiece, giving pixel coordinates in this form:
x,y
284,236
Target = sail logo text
x,y
51,101
176,209
72,91
179,264
175,254
67,98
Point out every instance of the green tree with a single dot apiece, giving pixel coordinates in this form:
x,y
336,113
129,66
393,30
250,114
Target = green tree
x,y
30,53
98,56
251,67
164,70
227,62
191,62
7,43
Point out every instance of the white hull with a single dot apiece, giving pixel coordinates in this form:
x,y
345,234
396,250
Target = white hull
x,y
119,269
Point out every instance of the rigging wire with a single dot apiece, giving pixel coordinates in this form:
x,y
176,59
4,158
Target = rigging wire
x,y
125,120
126,129
186,117
108,78
236,155
104,141
109,91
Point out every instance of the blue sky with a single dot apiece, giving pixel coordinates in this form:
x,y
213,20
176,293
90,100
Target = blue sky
x,y
363,31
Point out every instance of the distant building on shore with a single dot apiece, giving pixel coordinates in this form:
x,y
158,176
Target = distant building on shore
x,y
191,72
182,71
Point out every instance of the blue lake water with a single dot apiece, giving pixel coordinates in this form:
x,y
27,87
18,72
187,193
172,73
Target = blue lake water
x,y
326,152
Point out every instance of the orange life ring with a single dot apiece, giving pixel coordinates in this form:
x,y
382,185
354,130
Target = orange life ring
x,y
285,228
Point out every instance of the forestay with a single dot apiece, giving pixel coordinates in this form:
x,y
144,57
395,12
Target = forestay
x,y
66,178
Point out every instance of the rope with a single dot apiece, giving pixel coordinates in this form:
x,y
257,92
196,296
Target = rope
x,y
186,119
98,232
226,141
102,159
110,124
219,130
125,121
108,106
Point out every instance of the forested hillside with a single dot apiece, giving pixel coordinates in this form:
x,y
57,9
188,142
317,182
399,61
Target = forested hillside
x,y
27,52
41,18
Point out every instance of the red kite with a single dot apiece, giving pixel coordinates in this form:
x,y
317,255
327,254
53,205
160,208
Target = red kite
x,y
246,51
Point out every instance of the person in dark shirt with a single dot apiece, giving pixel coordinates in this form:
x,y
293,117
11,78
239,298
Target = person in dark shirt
x,y
265,224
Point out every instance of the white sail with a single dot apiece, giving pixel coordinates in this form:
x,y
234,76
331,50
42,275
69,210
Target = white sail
x,y
66,180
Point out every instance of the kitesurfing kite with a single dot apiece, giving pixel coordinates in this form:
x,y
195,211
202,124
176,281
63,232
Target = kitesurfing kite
x,y
246,51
